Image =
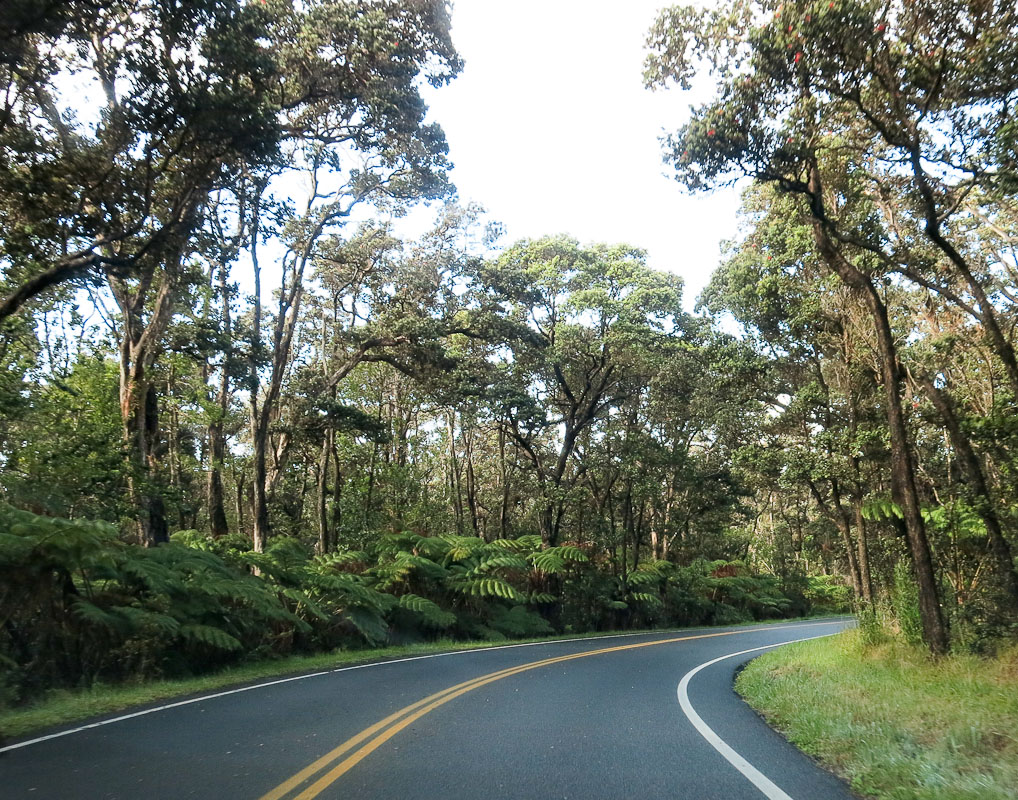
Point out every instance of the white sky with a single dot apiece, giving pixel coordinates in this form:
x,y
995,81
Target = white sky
x,y
551,130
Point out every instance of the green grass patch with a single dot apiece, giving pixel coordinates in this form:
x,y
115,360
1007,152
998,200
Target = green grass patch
x,y
64,707
897,724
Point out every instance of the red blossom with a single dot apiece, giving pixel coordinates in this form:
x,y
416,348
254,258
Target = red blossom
x,y
798,57
710,132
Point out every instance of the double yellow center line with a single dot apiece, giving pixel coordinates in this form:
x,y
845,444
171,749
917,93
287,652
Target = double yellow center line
x,y
370,739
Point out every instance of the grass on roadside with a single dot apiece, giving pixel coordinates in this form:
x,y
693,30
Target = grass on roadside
x,y
895,723
63,707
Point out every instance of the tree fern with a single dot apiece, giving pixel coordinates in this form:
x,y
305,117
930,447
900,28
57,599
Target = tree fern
x,y
568,553
505,561
487,586
429,612
212,637
520,621
547,561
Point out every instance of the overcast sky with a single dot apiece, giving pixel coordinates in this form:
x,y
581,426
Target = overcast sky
x,y
552,131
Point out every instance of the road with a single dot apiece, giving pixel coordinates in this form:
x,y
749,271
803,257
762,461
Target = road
x,y
597,718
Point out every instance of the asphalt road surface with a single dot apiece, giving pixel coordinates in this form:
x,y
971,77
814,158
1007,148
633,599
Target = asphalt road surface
x,y
630,716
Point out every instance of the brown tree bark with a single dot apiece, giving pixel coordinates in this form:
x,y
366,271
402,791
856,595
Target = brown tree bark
x,y
981,498
864,552
325,543
837,513
140,344
903,483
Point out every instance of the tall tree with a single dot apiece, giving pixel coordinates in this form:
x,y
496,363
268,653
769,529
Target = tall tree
x,y
827,102
590,320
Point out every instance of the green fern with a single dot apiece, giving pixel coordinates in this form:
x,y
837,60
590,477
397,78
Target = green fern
x,y
429,612
488,586
549,562
207,635
569,553
368,624
520,621
506,561
642,578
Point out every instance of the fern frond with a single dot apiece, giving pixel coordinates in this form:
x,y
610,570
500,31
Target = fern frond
x,y
520,621
547,561
92,614
488,586
369,624
505,561
208,635
642,578
568,552
431,613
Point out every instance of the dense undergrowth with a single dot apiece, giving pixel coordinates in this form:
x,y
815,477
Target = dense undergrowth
x,y
898,724
81,606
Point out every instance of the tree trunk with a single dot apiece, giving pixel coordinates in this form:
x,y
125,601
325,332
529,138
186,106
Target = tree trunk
x,y
839,516
864,552
980,491
455,489
324,542
987,312
471,487
903,483
239,480
503,511
218,525
216,434
337,495
259,501
139,404
140,429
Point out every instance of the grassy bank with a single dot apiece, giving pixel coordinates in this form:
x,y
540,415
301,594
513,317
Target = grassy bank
x,y
66,707
893,722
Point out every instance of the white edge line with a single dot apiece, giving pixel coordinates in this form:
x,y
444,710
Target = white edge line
x,y
757,778
205,697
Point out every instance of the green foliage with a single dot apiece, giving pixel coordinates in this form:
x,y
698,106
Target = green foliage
x,y
828,593
520,621
194,604
894,722
905,600
129,610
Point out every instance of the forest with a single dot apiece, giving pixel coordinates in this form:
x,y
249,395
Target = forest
x,y
243,415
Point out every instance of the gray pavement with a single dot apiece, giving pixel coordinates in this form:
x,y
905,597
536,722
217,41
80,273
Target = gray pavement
x,y
604,726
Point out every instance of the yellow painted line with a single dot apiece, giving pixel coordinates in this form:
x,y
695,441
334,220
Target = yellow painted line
x,y
406,716
323,762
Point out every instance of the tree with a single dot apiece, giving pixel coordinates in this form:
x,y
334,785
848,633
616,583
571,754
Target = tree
x,y
831,102
589,322
366,104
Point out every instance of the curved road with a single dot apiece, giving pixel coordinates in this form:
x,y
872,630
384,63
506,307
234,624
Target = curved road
x,y
629,716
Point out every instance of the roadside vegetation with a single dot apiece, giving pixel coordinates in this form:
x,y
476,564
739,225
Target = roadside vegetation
x,y
61,707
894,722
88,608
